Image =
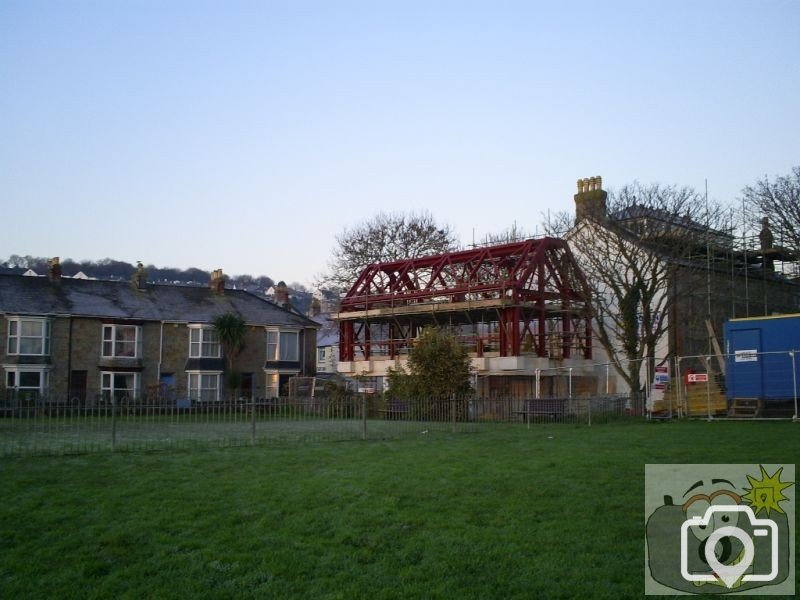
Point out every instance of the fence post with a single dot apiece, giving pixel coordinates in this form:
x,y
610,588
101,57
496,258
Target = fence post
x,y
570,390
664,392
683,408
590,410
113,423
252,421
793,353
570,383
453,412
708,387
363,416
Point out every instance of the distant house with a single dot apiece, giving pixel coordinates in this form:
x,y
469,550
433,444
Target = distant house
x,y
84,340
328,353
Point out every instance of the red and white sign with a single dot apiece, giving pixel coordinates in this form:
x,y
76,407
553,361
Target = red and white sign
x,y
697,377
661,378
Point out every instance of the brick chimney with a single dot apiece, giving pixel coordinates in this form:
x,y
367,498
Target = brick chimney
x,y
55,269
139,279
590,201
316,307
282,294
217,284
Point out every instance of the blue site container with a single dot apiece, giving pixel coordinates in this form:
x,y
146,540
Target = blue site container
x,y
757,361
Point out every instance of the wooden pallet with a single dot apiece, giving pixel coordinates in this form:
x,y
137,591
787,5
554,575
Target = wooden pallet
x,y
746,407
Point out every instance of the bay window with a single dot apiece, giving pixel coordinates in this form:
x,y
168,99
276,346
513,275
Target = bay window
x,y
272,388
204,386
277,381
119,385
29,379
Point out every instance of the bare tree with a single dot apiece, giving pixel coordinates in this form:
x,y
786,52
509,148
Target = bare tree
x,y
779,201
383,238
515,233
631,248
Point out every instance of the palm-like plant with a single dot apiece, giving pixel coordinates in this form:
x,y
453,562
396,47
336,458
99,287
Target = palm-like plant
x,y
231,329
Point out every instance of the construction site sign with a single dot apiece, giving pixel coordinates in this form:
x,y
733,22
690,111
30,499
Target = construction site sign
x,y
660,378
745,356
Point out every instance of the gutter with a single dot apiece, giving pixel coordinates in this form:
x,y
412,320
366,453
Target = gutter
x,y
160,352
69,357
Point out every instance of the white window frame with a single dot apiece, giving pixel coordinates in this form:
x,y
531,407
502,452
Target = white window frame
x,y
278,347
13,377
113,339
16,337
108,381
195,385
207,338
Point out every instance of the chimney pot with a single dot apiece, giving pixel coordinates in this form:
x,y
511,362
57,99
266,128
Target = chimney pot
x,y
590,199
217,283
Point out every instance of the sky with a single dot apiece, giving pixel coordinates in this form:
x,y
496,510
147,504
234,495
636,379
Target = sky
x,y
247,135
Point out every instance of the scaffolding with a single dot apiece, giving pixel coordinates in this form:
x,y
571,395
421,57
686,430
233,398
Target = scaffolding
x,y
746,277
526,297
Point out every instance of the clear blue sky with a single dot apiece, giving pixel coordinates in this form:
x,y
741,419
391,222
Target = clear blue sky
x,y
246,135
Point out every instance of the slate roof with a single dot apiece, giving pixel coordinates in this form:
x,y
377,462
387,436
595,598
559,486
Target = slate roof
x,y
122,300
329,339
638,211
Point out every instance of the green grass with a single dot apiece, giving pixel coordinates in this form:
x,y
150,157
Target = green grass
x,y
554,511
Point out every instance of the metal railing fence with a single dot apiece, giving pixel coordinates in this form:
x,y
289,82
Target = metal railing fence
x,y
34,424
743,384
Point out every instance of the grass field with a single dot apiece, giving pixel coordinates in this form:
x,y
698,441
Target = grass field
x,y
23,437
55,429
555,511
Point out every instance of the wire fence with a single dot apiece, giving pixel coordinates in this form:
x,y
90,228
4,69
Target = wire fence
x,y
744,384
41,425
740,385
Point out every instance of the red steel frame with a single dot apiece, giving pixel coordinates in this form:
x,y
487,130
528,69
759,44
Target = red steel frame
x,y
532,283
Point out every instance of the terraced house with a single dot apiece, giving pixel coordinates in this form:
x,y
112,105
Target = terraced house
x,y
82,341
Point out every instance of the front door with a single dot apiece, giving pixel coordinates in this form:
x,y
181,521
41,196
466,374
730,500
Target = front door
x,y
77,387
167,388
246,388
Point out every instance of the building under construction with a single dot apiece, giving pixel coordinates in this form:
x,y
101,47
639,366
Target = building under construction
x,y
519,308
523,311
